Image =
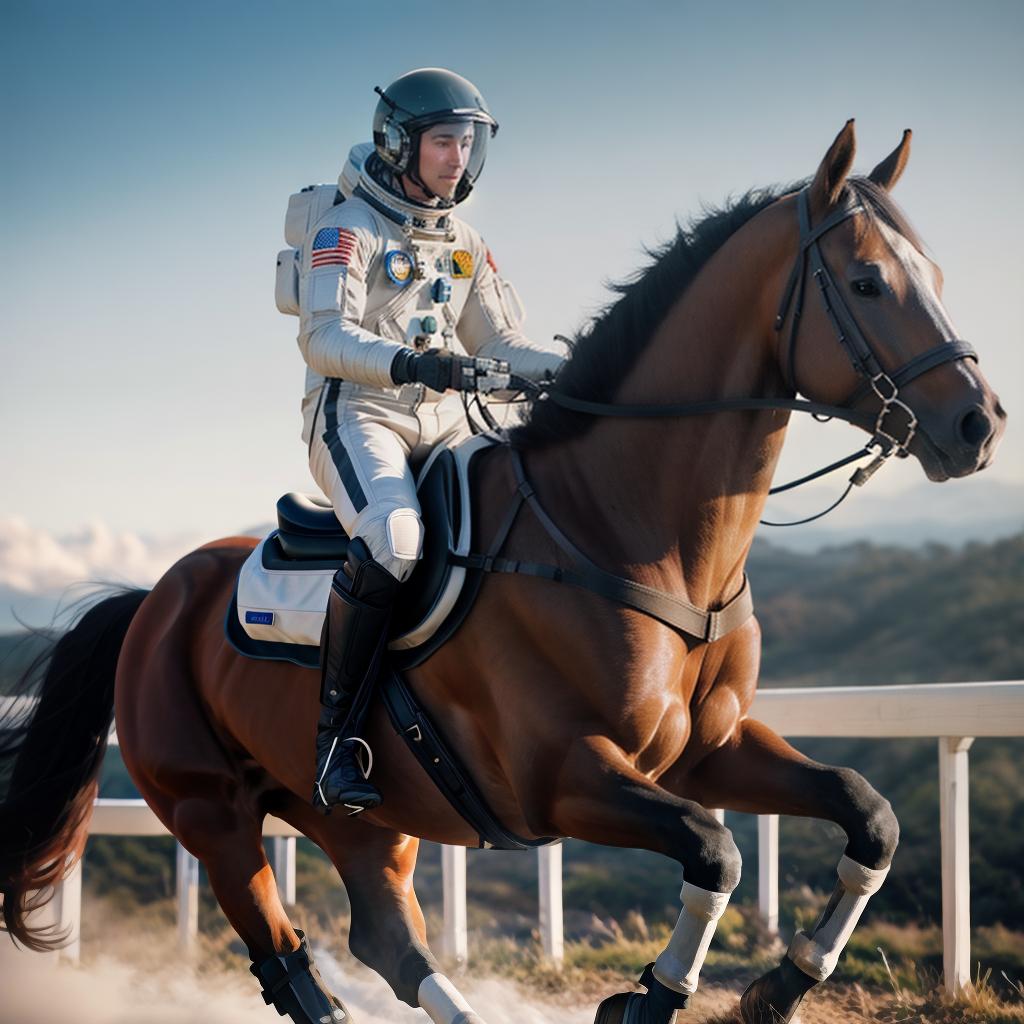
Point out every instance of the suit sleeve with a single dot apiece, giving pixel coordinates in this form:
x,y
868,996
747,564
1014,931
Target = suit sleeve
x,y
490,327
336,263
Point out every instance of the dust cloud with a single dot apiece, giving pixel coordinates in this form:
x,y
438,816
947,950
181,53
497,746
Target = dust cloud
x,y
107,991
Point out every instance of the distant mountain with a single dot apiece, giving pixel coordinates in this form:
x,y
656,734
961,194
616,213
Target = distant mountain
x,y
950,513
867,613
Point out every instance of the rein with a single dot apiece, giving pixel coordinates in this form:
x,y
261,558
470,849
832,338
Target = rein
x,y
874,379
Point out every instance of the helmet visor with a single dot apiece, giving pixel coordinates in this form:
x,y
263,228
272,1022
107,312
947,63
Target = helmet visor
x,y
452,150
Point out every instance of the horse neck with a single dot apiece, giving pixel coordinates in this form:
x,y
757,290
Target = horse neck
x,y
676,501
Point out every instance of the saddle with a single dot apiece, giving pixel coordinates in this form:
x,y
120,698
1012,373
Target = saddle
x,y
280,598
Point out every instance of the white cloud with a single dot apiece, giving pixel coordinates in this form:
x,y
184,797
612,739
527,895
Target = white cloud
x,y
34,561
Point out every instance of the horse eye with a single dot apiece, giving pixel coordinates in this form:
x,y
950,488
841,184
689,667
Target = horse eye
x,y
866,286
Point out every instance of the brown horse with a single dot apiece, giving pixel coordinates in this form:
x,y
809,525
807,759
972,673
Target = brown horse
x,y
578,717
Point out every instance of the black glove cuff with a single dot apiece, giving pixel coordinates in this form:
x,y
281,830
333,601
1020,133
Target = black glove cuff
x,y
402,367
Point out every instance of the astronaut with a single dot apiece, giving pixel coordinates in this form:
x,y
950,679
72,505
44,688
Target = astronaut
x,y
400,307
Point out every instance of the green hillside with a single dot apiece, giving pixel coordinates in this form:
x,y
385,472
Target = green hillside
x,y
864,614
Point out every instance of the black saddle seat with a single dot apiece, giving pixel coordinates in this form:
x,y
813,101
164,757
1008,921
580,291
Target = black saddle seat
x,y
309,532
306,514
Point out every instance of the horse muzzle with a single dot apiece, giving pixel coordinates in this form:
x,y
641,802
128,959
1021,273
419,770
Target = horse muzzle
x,y
959,445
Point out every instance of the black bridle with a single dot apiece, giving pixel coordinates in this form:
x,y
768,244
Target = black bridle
x,y
874,379
858,349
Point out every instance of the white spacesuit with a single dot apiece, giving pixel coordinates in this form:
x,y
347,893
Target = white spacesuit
x,y
400,307
377,274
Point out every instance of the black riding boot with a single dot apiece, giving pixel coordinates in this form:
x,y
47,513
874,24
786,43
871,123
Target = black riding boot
x,y
354,638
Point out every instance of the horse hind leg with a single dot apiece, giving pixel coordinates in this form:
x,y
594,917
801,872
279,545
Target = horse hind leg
x,y
388,932
218,820
228,841
760,773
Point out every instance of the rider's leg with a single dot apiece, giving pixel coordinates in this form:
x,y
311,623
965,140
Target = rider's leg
x,y
355,633
361,465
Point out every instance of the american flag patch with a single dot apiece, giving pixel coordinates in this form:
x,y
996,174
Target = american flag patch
x,y
333,246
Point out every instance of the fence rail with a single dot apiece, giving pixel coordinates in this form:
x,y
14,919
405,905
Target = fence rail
x,y
952,713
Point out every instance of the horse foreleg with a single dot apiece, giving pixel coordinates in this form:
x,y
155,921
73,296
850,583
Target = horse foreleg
x,y
758,772
603,799
388,932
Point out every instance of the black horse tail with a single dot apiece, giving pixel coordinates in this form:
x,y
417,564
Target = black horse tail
x,y
53,735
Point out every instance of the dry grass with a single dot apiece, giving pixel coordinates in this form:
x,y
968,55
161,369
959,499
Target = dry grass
x,y
886,976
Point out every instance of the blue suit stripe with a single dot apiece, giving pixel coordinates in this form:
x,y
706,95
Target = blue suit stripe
x,y
339,453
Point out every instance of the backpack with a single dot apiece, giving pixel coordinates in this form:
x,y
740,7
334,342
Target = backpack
x,y
306,209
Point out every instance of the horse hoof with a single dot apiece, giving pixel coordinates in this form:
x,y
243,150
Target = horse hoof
x,y
775,997
613,1009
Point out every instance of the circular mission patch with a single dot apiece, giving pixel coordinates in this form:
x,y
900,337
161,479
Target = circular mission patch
x,y
398,266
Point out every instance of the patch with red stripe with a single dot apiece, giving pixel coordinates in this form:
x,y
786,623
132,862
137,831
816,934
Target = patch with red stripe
x,y
333,246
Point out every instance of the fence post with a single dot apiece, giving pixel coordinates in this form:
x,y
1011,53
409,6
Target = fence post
x,y
768,869
455,942
284,868
187,872
549,882
69,913
954,825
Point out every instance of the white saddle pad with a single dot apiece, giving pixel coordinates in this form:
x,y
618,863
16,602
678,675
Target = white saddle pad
x,y
289,605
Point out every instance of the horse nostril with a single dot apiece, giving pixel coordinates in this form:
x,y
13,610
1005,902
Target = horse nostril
x,y
974,427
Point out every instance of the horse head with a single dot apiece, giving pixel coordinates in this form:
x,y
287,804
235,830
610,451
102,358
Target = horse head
x,y
880,341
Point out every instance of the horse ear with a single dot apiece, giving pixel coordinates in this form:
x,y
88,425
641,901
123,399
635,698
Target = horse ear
x,y
831,174
888,172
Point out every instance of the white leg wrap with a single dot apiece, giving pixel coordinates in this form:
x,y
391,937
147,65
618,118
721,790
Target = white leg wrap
x,y
444,1003
680,963
817,955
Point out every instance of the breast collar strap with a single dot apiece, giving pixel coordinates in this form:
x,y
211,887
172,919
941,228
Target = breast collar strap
x,y
701,623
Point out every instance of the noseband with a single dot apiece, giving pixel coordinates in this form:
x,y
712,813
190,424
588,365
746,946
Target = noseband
x,y
851,338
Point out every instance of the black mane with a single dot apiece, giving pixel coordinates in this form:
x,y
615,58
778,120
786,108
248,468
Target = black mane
x,y
606,348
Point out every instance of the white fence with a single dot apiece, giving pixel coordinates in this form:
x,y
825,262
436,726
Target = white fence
x,y
952,713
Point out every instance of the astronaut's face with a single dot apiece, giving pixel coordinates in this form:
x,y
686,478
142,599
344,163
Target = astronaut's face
x,y
444,155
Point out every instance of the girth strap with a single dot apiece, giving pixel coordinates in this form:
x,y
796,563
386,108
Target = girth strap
x,y
702,623
447,772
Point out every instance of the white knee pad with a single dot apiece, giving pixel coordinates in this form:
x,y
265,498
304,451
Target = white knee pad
x,y
395,540
817,955
679,964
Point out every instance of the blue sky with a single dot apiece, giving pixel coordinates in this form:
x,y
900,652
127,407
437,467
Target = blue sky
x,y
148,382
